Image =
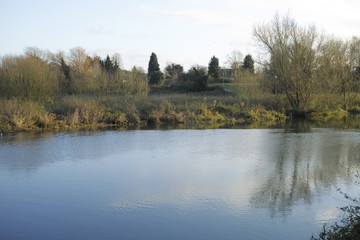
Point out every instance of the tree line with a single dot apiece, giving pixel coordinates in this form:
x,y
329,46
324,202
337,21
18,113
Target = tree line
x,y
299,63
41,75
196,78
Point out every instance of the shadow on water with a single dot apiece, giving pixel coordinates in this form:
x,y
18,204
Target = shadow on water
x,y
307,126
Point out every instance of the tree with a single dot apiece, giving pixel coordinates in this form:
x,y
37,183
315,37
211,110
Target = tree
x,y
28,77
108,65
271,80
337,64
333,71
38,53
117,60
153,64
155,76
77,58
214,69
66,81
137,85
195,79
234,60
354,59
293,52
248,63
174,71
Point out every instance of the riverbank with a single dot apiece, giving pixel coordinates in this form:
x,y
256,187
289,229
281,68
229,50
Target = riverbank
x,y
70,112
77,112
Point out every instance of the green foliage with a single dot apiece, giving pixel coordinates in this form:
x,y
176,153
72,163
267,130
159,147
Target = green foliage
x,y
153,64
108,66
349,228
174,71
156,78
354,110
195,79
214,68
248,63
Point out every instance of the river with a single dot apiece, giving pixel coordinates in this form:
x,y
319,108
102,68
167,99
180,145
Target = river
x,y
175,184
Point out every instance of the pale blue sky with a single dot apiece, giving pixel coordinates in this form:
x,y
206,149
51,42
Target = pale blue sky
x,y
182,31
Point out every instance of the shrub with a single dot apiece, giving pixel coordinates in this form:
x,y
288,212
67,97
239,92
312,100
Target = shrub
x,y
21,115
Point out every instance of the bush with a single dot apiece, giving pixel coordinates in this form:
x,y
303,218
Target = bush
x,y
28,78
20,115
195,79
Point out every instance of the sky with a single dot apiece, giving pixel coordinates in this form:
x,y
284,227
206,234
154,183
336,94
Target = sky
x,y
185,32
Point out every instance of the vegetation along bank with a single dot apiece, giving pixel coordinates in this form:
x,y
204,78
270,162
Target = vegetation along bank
x,y
303,74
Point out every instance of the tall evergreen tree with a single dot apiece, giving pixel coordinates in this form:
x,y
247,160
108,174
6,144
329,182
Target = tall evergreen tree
x,y
214,69
153,64
248,63
155,76
108,65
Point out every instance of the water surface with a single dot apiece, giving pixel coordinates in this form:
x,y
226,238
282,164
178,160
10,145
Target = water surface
x,y
175,184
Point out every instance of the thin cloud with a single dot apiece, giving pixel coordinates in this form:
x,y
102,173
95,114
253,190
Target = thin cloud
x,y
97,29
211,18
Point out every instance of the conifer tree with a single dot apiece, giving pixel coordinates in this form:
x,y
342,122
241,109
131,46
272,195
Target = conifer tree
x,y
214,69
153,64
155,76
248,63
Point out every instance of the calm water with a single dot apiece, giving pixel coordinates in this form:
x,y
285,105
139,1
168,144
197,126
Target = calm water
x,y
174,184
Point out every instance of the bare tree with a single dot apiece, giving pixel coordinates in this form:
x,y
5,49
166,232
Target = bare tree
x,y
333,71
354,53
234,59
337,64
354,58
292,50
117,60
77,58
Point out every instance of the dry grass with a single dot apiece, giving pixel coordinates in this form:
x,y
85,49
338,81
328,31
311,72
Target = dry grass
x,y
80,111
23,115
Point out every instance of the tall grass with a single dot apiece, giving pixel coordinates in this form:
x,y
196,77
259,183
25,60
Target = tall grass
x,y
85,110
23,115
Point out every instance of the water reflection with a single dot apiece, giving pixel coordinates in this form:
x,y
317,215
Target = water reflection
x,y
27,151
226,182
297,126
306,126
304,165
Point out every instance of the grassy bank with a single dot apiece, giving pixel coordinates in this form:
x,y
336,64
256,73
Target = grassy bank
x,y
162,107
132,111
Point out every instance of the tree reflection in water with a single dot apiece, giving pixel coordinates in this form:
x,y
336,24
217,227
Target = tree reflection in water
x,y
304,165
